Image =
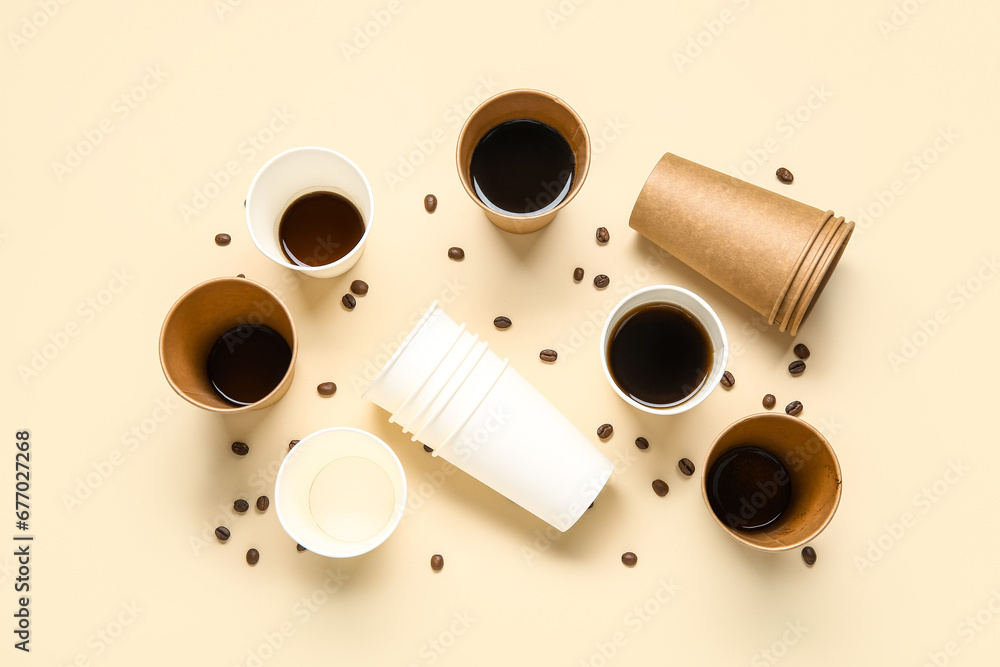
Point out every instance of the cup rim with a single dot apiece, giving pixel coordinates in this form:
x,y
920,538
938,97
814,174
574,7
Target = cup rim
x,y
699,395
280,259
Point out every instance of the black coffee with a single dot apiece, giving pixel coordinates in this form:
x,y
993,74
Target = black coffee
x,y
748,488
522,167
319,228
247,362
659,355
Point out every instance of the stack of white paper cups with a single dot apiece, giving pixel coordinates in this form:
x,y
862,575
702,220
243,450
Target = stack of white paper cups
x,y
447,388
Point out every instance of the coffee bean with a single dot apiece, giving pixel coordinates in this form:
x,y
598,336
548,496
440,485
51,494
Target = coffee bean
x,y
548,355
796,367
686,466
660,487
240,448
794,408
642,443
359,287
241,505
502,322
428,449
222,533
801,351
240,275
809,556
349,301
253,556
437,562
591,506
223,239
601,281
629,559
604,431
263,502
578,274
292,444
602,235
769,401
456,254
727,380
326,388
784,175
430,203
299,547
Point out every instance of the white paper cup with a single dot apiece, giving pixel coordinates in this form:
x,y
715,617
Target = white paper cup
x,y
701,311
287,176
340,492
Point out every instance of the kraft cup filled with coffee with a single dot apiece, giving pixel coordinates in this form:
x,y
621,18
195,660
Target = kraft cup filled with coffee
x,y
771,252
340,492
771,481
229,345
522,156
310,209
663,349
447,388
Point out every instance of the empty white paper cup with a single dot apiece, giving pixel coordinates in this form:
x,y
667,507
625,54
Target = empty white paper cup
x,y
340,492
472,408
289,175
697,308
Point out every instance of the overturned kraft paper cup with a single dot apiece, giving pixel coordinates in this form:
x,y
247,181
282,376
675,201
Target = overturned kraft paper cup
x,y
771,252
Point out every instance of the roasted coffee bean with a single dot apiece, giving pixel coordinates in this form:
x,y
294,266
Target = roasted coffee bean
x,y
292,444
430,203
223,239
642,443
456,254
222,533
629,559
359,287
604,431
727,380
326,388
299,547
794,408
801,351
602,235
240,448
591,506
349,301
502,322
263,502
686,466
253,556
784,175
428,449
437,562
578,274
241,505
548,355
809,556
240,275
796,367
601,281
660,487
769,401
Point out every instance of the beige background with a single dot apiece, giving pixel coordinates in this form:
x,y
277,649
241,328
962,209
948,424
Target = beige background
x,y
125,570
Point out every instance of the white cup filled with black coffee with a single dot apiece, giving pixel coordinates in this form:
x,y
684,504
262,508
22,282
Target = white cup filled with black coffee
x,y
663,349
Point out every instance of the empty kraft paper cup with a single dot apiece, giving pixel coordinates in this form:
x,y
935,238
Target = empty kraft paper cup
x,y
479,414
340,492
296,172
534,105
812,468
771,252
697,308
196,321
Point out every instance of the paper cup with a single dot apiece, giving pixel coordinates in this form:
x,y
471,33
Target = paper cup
x,y
196,321
512,105
340,492
697,308
812,467
289,175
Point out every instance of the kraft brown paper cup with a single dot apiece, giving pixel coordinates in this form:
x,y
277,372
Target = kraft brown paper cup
x,y
511,105
812,467
771,252
195,322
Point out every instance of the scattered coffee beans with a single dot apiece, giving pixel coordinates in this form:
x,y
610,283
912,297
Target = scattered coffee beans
x,y
686,466
326,388
769,401
241,505
784,175
601,281
253,556
602,235
299,547
430,203
502,322
629,559
428,449
437,562
794,408
548,355
796,367
222,533
223,239
604,431
660,487
349,301
240,448
292,444
809,556
578,274
642,443
359,287
727,380
262,503
801,351
456,254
